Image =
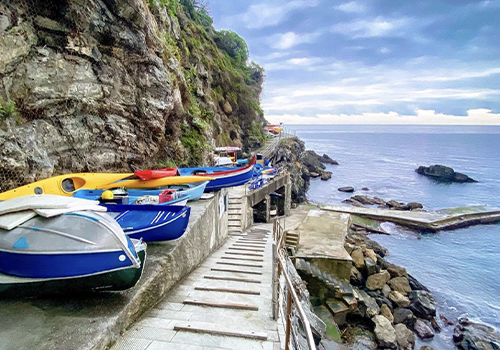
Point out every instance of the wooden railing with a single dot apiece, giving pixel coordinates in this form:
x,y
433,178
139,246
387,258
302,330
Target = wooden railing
x,y
286,293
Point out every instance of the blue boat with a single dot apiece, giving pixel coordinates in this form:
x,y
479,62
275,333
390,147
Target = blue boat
x,y
223,176
133,196
193,191
151,222
72,245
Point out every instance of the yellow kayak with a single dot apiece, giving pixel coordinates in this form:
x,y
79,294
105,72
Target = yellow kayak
x,y
156,183
66,185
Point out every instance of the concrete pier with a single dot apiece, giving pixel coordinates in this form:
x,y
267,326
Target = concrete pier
x,y
429,221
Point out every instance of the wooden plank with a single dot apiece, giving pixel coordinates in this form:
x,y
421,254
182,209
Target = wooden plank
x,y
242,245
247,250
243,259
218,330
235,279
228,290
220,304
237,271
245,254
238,264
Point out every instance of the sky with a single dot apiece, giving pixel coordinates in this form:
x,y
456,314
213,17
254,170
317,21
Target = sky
x,y
372,61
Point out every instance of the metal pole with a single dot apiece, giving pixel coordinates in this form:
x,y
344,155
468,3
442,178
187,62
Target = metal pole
x,y
275,281
288,318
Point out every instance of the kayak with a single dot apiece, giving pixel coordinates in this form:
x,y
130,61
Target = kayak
x,y
155,174
155,183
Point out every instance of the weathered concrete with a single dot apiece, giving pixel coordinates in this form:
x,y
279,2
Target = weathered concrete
x,y
275,183
94,321
322,236
430,221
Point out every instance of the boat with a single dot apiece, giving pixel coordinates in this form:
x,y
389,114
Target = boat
x,y
193,191
151,222
65,240
131,196
155,174
153,182
223,176
65,185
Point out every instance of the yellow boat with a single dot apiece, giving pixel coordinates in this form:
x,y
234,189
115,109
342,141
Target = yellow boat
x,y
156,183
66,185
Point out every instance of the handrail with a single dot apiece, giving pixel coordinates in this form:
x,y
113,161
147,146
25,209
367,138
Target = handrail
x,y
281,267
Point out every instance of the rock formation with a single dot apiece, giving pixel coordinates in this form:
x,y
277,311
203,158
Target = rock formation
x,y
444,173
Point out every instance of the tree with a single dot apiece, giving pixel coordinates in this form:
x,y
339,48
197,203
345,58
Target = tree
x,y
233,44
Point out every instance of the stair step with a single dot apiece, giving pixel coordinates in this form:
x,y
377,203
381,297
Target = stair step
x,y
227,290
229,278
221,304
221,330
236,271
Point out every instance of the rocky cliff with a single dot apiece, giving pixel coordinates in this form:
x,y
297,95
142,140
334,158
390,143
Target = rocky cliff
x,y
110,85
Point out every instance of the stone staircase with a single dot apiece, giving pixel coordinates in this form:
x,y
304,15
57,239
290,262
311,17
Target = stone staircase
x,y
235,214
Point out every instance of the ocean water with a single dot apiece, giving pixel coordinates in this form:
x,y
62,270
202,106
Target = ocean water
x,y
461,267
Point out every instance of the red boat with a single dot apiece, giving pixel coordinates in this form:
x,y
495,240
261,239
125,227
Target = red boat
x,y
156,174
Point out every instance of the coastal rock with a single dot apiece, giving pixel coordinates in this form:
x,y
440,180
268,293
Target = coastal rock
x,y
363,199
386,290
386,312
326,175
396,271
399,299
442,172
469,335
385,333
365,189
356,276
405,316
400,284
353,203
426,348
404,337
415,205
367,305
422,304
358,259
423,330
416,285
360,343
346,189
327,160
312,162
313,174
377,280
435,325
371,266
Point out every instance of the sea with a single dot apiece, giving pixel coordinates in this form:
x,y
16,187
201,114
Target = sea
x,y
461,267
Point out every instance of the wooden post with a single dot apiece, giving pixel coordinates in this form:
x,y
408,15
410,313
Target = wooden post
x,y
288,318
274,283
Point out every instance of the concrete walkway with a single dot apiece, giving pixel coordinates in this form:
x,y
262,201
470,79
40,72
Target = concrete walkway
x,y
224,304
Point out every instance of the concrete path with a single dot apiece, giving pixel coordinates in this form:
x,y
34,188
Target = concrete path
x,y
224,304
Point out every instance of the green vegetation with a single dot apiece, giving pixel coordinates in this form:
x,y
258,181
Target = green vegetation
x,y
166,163
8,110
233,45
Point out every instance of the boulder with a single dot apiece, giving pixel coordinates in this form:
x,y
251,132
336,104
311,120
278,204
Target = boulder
x,y
426,348
399,299
416,285
314,174
422,304
405,316
326,175
365,189
367,305
404,337
469,335
396,271
385,333
386,312
386,290
377,280
367,200
228,109
371,266
415,205
444,173
356,276
312,162
400,284
358,259
327,160
423,330
353,203
346,189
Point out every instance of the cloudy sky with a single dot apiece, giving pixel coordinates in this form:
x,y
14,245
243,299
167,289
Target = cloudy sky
x,y
372,61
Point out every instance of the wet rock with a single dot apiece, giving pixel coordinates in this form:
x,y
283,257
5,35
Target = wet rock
x,y
358,259
426,348
400,284
346,189
404,337
312,162
405,316
313,174
353,203
416,285
415,205
365,189
469,335
399,299
385,333
378,280
422,304
423,330
327,160
441,172
326,175
386,312
446,321
371,266
367,200
396,271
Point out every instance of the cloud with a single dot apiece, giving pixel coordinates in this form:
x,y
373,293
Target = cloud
x,y
479,116
351,7
290,39
377,27
454,75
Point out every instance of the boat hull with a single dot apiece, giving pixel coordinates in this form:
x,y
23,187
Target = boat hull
x,y
223,177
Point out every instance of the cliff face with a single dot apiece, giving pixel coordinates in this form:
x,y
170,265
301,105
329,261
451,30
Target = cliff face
x,y
110,85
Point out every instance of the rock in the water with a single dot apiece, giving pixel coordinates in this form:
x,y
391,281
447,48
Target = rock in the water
x,y
353,203
442,172
405,316
365,189
422,304
378,280
314,174
426,348
386,312
385,333
327,160
415,205
400,284
346,189
396,271
326,175
363,199
470,335
312,162
399,299
416,285
404,337
423,330
358,259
